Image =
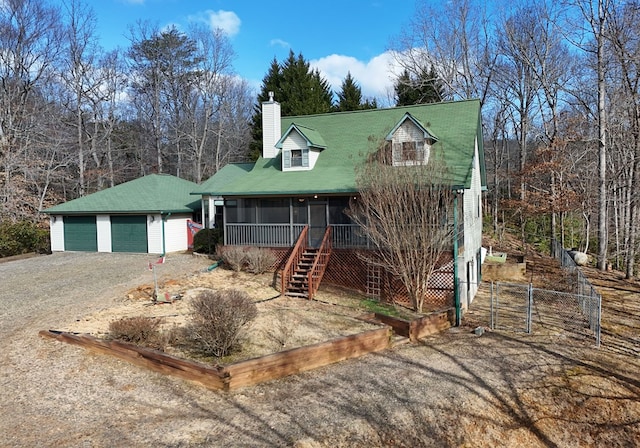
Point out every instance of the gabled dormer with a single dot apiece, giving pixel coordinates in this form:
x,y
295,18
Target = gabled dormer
x,y
410,142
300,148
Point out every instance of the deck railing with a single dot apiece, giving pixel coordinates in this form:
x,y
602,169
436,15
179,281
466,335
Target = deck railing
x,y
314,277
343,236
267,235
294,258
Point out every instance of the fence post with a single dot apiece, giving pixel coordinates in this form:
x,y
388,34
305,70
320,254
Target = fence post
x,y
491,309
598,319
529,307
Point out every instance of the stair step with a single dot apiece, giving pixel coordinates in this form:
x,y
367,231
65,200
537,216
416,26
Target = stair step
x,y
297,294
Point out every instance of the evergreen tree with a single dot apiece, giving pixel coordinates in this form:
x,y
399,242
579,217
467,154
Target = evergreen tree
x,y
422,89
298,89
350,97
270,83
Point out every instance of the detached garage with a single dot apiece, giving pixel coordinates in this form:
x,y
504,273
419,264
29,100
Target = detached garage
x,y
145,215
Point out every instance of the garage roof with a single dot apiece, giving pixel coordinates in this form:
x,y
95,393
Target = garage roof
x,y
154,193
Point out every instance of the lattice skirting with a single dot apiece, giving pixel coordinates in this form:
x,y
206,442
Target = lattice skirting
x,y
348,270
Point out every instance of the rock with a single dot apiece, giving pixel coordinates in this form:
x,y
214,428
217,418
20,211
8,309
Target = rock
x,y
581,258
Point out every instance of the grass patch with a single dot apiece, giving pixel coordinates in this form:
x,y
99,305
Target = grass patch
x,y
375,306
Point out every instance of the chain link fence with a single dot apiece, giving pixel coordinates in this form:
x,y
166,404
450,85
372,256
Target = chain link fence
x,y
523,308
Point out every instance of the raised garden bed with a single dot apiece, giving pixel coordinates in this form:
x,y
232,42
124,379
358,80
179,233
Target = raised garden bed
x,y
242,373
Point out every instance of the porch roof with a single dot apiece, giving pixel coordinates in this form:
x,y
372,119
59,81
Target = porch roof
x,y
349,138
225,176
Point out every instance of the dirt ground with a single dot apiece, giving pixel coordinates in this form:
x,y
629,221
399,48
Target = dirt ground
x,y
453,389
282,323
599,388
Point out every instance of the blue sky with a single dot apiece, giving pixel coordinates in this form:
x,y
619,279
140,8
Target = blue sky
x,y
335,36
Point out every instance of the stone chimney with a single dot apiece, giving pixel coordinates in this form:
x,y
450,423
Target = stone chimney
x,y
271,129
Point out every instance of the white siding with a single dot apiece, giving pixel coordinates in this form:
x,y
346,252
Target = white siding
x,y
472,232
175,228
103,227
56,227
154,234
271,128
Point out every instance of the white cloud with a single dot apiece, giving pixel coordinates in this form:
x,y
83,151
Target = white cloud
x,y
279,43
227,21
375,77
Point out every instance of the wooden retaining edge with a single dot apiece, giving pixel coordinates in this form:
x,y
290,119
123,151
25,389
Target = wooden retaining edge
x,y
243,373
301,359
418,328
210,377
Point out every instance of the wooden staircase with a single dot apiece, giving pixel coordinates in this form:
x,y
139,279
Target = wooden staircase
x,y
298,285
305,267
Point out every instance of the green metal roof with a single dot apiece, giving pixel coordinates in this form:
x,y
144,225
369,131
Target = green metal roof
x,y
221,180
350,136
154,193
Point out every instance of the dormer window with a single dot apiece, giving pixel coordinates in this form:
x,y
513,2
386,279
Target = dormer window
x,y
413,151
410,142
295,158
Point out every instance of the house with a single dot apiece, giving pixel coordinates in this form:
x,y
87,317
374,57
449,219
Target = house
x,y
146,215
305,178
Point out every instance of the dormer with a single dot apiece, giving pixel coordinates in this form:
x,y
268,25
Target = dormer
x,y
300,148
410,142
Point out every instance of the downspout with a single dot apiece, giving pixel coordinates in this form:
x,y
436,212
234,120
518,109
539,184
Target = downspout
x,y
456,285
164,236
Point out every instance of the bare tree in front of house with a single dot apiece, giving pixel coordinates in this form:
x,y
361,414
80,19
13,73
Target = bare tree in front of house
x,y
405,212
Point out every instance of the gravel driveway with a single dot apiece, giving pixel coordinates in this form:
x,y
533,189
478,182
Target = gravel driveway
x,y
455,389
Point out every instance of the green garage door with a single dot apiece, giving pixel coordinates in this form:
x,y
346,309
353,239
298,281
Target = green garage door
x,y
129,234
80,233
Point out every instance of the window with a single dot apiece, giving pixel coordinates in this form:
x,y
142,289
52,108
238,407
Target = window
x,y
410,152
295,158
413,151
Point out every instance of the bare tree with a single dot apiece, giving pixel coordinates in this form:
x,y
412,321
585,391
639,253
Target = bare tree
x,y
79,74
456,41
30,43
405,213
625,43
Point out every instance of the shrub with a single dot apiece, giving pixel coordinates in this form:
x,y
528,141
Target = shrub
x,y
259,260
217,318
232,256
22,237
206,241
138,330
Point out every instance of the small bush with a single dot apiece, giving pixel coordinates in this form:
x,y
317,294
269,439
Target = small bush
x,y
259,260
217,318
22,237
138,330
232,256
206,241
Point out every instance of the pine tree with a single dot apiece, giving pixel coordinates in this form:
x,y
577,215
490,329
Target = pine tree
x,y
422,89
299,90
350,97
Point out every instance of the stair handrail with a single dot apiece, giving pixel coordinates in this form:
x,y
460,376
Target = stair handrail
x,y
294,258
316,272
